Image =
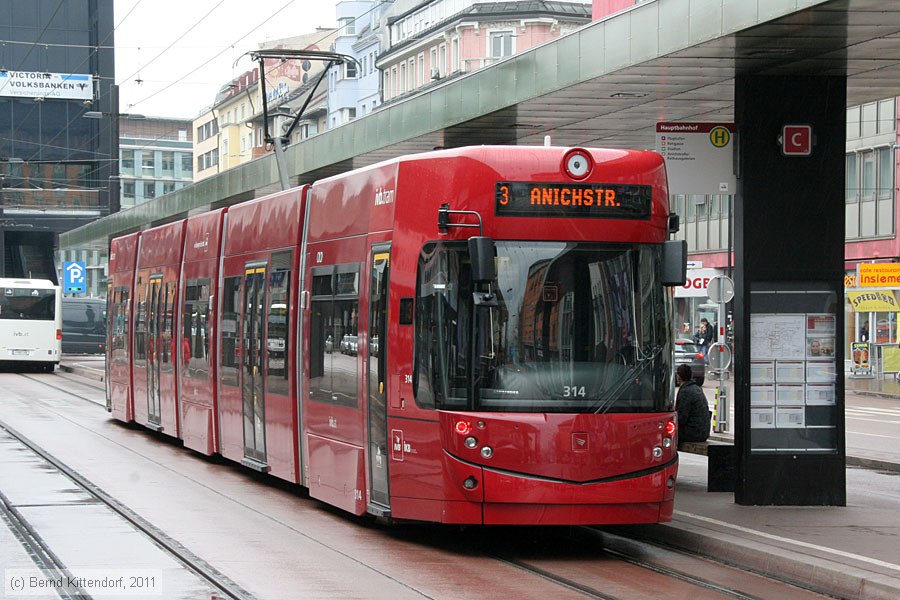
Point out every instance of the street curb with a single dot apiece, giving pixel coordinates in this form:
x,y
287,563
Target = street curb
x,y
872,463
793,566
877,394
83,372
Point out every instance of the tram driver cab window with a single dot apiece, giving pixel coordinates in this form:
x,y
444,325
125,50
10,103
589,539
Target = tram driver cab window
x,y
561,327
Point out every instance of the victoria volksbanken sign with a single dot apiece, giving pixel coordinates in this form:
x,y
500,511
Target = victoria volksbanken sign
x,y
32,84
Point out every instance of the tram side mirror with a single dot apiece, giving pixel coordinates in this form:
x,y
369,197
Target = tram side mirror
x,y
674,262
481,253
674,223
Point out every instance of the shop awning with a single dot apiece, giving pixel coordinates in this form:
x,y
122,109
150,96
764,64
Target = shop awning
x,y
873,301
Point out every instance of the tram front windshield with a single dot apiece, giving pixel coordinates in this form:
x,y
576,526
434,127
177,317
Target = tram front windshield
x,y
563,327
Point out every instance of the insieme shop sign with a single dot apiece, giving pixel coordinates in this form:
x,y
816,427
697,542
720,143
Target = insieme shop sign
x,y
884,275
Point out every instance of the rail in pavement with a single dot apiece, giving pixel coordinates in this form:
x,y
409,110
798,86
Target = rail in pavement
x,y
847,552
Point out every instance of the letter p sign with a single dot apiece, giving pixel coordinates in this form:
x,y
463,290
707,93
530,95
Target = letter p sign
x,y
796,140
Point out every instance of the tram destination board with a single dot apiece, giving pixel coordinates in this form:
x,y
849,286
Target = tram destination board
x,y
572,200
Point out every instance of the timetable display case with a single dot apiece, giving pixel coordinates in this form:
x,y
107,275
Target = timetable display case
x,y
793,369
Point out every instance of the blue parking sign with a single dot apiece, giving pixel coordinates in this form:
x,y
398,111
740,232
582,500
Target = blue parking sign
x,y
74,277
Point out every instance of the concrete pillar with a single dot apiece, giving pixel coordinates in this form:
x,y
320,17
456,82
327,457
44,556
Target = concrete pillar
x,y
789,266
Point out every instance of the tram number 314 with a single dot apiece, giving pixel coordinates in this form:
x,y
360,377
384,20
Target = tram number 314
x,y
573,391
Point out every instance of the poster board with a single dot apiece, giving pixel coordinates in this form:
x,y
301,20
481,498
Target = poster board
x,y
794,354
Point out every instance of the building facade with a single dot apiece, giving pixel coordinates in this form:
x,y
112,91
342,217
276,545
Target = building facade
x,y
429,41
156,157
232,130
56,166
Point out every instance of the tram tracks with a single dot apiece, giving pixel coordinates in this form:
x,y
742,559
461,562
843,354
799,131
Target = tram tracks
x,y
580,562
592,591
39,551
68,390
50,564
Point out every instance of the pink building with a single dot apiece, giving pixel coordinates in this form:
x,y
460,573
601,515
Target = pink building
x,y
446,38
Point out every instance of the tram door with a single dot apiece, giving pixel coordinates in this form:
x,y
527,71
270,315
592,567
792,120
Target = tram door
x,y
154,348
377,356
253,363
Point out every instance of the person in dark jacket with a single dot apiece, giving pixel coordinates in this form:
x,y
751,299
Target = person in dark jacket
x,y
693,411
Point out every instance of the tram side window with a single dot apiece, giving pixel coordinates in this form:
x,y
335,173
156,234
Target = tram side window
x,y
278,338
334,329
195,331
140,327
442,317
321,338
167,334
119,320
231,359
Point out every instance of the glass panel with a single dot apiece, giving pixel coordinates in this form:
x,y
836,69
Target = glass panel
x,y
869,119
22,304
231,293
853,122
195,333
574,328
168,339
128,162
885,172
334,337
278,339
118,345
140,326
868,176
167,160
886,108
343,366
321,347
252,390
852,183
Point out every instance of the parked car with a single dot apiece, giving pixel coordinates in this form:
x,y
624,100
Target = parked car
x,y
688,352
349,344
83,326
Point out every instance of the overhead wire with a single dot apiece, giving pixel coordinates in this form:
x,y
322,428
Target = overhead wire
x,y
214,57
166,135
95,49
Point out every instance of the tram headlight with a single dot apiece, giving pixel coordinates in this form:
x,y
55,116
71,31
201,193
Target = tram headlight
x,y
667,442
657,452
487,452
578,163
471,442
470,483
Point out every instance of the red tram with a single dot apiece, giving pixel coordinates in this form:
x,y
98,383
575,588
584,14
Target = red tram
x,y
478,335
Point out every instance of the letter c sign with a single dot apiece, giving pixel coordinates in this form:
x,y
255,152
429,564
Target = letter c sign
x,y
796,140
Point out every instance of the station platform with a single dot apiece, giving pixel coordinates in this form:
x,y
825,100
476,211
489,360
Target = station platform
x,y
848,552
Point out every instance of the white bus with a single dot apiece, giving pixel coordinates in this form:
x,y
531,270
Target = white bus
x,y
30,323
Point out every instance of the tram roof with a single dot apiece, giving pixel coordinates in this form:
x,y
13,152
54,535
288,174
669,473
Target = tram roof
x,y
606,84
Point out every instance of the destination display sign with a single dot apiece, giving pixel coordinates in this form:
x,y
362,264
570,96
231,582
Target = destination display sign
x,y
572,200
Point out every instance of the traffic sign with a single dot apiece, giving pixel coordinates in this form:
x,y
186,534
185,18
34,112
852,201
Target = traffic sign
x,y
74,277
720,289
719,356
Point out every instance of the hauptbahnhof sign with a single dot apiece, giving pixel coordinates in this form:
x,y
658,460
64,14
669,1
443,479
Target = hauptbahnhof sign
x,y
31,84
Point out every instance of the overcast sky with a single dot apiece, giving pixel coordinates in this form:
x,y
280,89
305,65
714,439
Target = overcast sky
x,y
183,51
